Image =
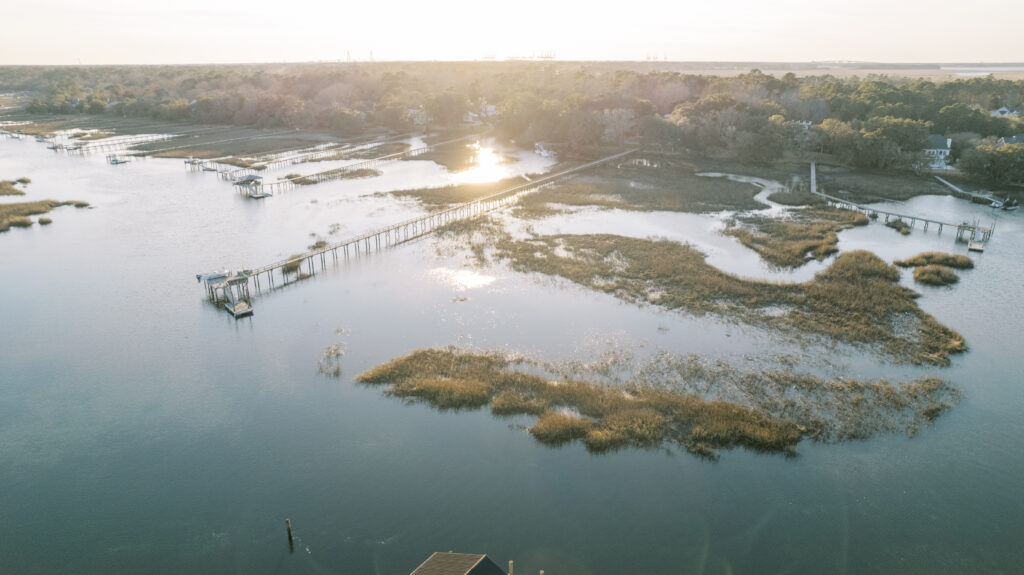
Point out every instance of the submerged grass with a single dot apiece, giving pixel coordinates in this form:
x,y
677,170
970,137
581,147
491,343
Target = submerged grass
x,y
644,415
956,261
856,300
810,234
935,275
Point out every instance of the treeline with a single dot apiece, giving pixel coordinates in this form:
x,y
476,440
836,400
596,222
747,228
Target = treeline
x,y
870,122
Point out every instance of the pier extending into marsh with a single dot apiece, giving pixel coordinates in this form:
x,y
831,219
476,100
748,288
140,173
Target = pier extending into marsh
x,y
383,238
964,231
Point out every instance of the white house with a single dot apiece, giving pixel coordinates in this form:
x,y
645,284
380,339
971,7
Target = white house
x,y
937,152
1004,112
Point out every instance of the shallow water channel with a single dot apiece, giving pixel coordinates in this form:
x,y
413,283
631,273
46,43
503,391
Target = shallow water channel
x,y
143,430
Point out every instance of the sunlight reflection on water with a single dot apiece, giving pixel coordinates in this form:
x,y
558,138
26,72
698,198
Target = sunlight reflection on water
x,y
462,280
486,167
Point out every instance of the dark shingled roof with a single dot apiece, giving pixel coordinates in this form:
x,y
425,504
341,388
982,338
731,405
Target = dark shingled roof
x,y
937,142
458,564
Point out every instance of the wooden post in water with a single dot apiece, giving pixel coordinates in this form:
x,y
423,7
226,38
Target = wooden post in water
x,y
510,567
291,542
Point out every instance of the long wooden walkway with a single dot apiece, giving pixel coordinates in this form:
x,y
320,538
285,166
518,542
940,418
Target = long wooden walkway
x,y
395,234
985,198
963,229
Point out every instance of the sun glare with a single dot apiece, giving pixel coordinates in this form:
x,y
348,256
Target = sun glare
x,y
486,167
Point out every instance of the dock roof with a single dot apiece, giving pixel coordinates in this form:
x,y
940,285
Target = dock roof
x,y
458,564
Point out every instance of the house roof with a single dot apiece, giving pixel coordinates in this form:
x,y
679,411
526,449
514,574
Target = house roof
x,y
1018,139
937,142
458,564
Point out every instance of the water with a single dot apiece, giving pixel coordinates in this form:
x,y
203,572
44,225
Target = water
x,y
145,431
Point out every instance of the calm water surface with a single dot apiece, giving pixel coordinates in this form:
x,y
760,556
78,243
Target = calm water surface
x,y
144,431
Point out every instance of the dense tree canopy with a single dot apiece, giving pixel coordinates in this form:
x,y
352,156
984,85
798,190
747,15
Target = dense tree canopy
x,y
875,122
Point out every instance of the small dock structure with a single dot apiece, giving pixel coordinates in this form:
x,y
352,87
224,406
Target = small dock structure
x,y
115,160
230,290
965,231
976,243
252,186
451,563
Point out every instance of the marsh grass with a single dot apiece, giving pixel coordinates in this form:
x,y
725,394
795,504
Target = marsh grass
x,y
856,300
243,163
292,266
769,410
811,233
670,186
336,174
45,221
956,261
900,226
605,418
557,428
457,194
299,180
7,188
379,151
935,275
17,214
866,186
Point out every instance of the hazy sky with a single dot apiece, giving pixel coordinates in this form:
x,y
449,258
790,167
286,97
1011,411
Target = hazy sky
x,y
185,31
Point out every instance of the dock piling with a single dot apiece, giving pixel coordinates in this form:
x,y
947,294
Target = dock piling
x,y
291,542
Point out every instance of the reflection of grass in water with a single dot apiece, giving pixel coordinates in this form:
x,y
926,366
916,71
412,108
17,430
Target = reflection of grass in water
x,y
935,275
810,234
772,410
957,261
857,299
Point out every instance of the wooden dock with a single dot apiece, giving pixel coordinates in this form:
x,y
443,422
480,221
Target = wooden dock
x,y
985,198
964,230
401,232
